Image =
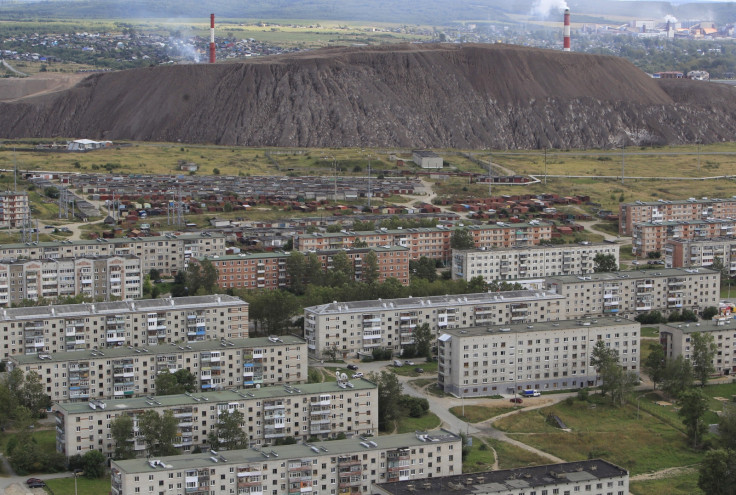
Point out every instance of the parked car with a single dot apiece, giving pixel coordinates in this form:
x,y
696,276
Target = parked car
x,y
352,367
398,363
516,400
358,375
419,370
35,483
409,363
531,393
32,480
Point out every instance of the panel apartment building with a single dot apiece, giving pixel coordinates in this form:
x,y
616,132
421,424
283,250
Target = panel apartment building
x,y
14,209
673,211
651,237
360,326
125,372
147,322
100,277
528,262
546,356
167,253
315,410
676,340
701,252
432,242
590,477
269,270
349,467
630,293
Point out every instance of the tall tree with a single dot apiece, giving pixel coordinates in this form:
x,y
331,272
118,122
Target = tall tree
x,y
313,270
703,351
182,380
342,269
228,431
604,263
423,340
462,239
158,432
678,376
296,271
94,464
424,268
601,357
389,392
370,268
655,364
693,405
121,430
717,474
727,427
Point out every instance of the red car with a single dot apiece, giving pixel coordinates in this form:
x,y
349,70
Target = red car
x,y
516,400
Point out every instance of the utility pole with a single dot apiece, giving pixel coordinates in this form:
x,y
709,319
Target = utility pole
x,y
369,182
623,163
490,176
545,165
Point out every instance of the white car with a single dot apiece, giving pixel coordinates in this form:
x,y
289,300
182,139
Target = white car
x,y
358,375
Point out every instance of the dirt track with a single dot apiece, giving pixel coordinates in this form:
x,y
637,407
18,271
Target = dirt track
x,y
14,89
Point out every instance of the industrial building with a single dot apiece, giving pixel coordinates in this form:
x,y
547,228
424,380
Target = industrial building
x,y
148,322
427,159
318,411
529,261
125,372
546,356
351,466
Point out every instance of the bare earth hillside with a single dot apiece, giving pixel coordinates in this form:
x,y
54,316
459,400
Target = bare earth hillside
x,y
456,96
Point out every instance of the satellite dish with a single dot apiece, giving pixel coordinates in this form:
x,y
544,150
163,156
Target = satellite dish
x,y
343,377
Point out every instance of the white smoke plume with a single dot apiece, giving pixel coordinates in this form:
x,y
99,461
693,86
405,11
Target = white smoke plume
x,y
543,8
670,18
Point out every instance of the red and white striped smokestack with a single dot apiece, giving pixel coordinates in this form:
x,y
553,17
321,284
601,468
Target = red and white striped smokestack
x,y
566,32
212,38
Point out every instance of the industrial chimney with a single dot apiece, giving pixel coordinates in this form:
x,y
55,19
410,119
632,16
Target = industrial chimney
x,y
212,38
566,32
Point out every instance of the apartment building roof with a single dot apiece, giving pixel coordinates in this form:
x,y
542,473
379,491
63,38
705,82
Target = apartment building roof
x,y
410,303
662,202
600,322
498,225
154,350
296,451
507,480
283,254
91,257
116,240
537,247
638,274
199,398
719,324
118,307
708,240
668,223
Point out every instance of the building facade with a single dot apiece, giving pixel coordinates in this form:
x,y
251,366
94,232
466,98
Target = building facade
x,y
546,356
651,237
529,262
14,209
269,270
148,322
167,253
630,293
673,211
102,277
360,326
317,411
677,341
432,242
349,467
591,477
427,159
126,372
701,252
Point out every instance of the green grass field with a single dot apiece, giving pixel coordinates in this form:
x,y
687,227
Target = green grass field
x,y
429,369
641,445
684,483
46,439
649,332
476,414
65,486
510,456
429,421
